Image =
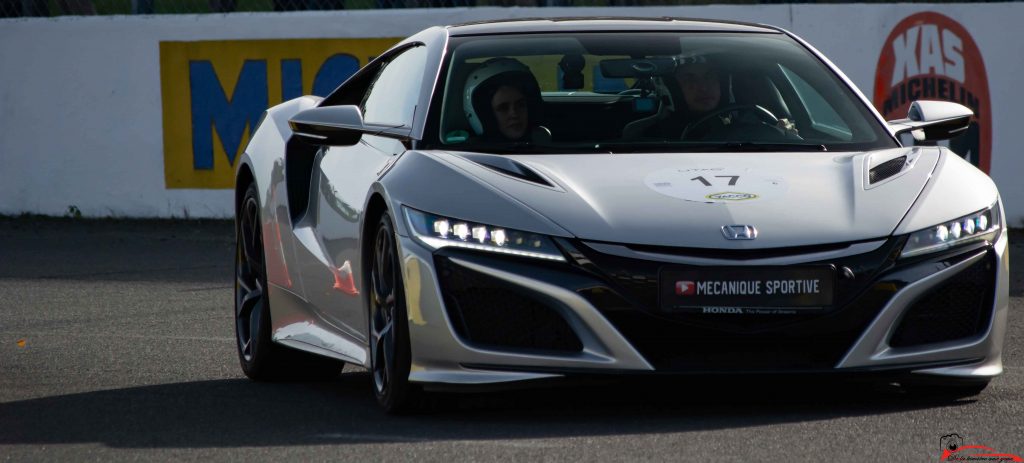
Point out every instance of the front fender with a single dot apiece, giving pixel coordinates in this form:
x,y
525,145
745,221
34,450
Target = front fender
x,y
424,181
956,189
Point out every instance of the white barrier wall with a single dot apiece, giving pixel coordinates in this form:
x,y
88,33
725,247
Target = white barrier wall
x,y
82,116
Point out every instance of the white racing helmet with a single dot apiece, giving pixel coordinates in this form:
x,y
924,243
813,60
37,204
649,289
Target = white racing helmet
x,y
489,69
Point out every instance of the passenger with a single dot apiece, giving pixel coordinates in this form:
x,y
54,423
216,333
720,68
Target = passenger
x,y
511,112
502,100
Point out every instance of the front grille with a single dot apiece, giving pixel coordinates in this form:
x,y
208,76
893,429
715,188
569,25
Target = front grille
x,y
489,312
959,309
699,343
886,169
724,343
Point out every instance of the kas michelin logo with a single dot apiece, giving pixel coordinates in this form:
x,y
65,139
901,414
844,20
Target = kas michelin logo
x,y
929,56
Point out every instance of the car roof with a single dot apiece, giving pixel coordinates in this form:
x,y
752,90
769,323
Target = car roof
x,y
603,24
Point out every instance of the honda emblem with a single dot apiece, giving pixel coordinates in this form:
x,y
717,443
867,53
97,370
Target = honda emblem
x,y
739,232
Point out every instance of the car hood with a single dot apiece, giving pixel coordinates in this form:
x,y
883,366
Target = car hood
x,y
684,199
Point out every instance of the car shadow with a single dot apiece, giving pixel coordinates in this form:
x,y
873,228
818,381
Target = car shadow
x,y
238,412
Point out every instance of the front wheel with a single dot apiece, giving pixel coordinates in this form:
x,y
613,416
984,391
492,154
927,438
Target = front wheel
x,y
390,353
260,358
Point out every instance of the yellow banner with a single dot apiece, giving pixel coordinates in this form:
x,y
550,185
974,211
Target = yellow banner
x,y
214,92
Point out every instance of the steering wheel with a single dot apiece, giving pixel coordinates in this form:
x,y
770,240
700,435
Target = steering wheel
x,y
758,111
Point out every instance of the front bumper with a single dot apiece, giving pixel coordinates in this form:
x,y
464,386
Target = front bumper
x,y
598,313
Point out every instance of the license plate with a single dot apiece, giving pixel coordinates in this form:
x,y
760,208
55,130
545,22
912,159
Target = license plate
x,y
745,290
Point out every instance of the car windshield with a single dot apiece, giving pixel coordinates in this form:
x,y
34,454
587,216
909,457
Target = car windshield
x,y
647,92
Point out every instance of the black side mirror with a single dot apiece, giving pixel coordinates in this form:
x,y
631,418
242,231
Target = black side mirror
x,y
329,125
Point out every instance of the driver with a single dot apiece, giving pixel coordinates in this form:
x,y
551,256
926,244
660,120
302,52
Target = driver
x,y
502,100
707,110
701,86
702,90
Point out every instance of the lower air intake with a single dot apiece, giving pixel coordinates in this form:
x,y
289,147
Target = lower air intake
x,y
489,312
959,309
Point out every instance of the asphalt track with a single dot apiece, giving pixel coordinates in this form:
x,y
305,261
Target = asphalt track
x,y
116,343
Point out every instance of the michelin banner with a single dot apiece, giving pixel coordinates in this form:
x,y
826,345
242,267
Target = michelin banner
x,y
214,93
146,116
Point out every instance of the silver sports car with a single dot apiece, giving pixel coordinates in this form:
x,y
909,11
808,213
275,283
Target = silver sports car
x,y
508,201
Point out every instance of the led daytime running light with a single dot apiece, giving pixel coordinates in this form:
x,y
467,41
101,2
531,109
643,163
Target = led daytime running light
x,y
979,226
437,232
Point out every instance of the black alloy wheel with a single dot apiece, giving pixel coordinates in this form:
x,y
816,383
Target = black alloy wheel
x,y
260,358
390,352
250,280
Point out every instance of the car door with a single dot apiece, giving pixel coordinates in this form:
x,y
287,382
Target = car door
x,y
342,177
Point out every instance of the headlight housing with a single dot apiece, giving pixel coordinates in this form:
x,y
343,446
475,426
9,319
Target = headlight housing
x,y
980,226
437,231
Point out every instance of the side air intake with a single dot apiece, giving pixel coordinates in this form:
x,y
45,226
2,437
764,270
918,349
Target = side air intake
x,y
887,169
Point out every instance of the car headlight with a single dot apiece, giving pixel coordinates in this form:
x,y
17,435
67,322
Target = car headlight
x,y
980,226
436,232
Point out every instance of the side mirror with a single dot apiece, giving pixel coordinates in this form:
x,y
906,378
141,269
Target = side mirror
x,y
934,120
329,125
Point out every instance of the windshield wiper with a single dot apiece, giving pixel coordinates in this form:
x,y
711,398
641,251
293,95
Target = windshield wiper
x,y
697,147
509,148
755,146
619,147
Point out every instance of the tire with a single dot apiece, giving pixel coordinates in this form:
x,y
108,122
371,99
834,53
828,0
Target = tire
x,y
261,359
390,352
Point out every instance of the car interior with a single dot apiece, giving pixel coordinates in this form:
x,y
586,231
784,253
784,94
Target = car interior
x,y
608,97
582,115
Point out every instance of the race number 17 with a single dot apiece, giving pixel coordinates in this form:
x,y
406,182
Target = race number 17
x,y
732,179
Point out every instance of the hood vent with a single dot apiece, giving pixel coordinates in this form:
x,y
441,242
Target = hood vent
x,y
508,167
886,169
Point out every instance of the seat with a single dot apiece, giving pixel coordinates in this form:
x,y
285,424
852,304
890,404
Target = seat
x,y
753,88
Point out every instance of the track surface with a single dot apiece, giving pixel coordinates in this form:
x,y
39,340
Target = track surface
x,y
128,354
